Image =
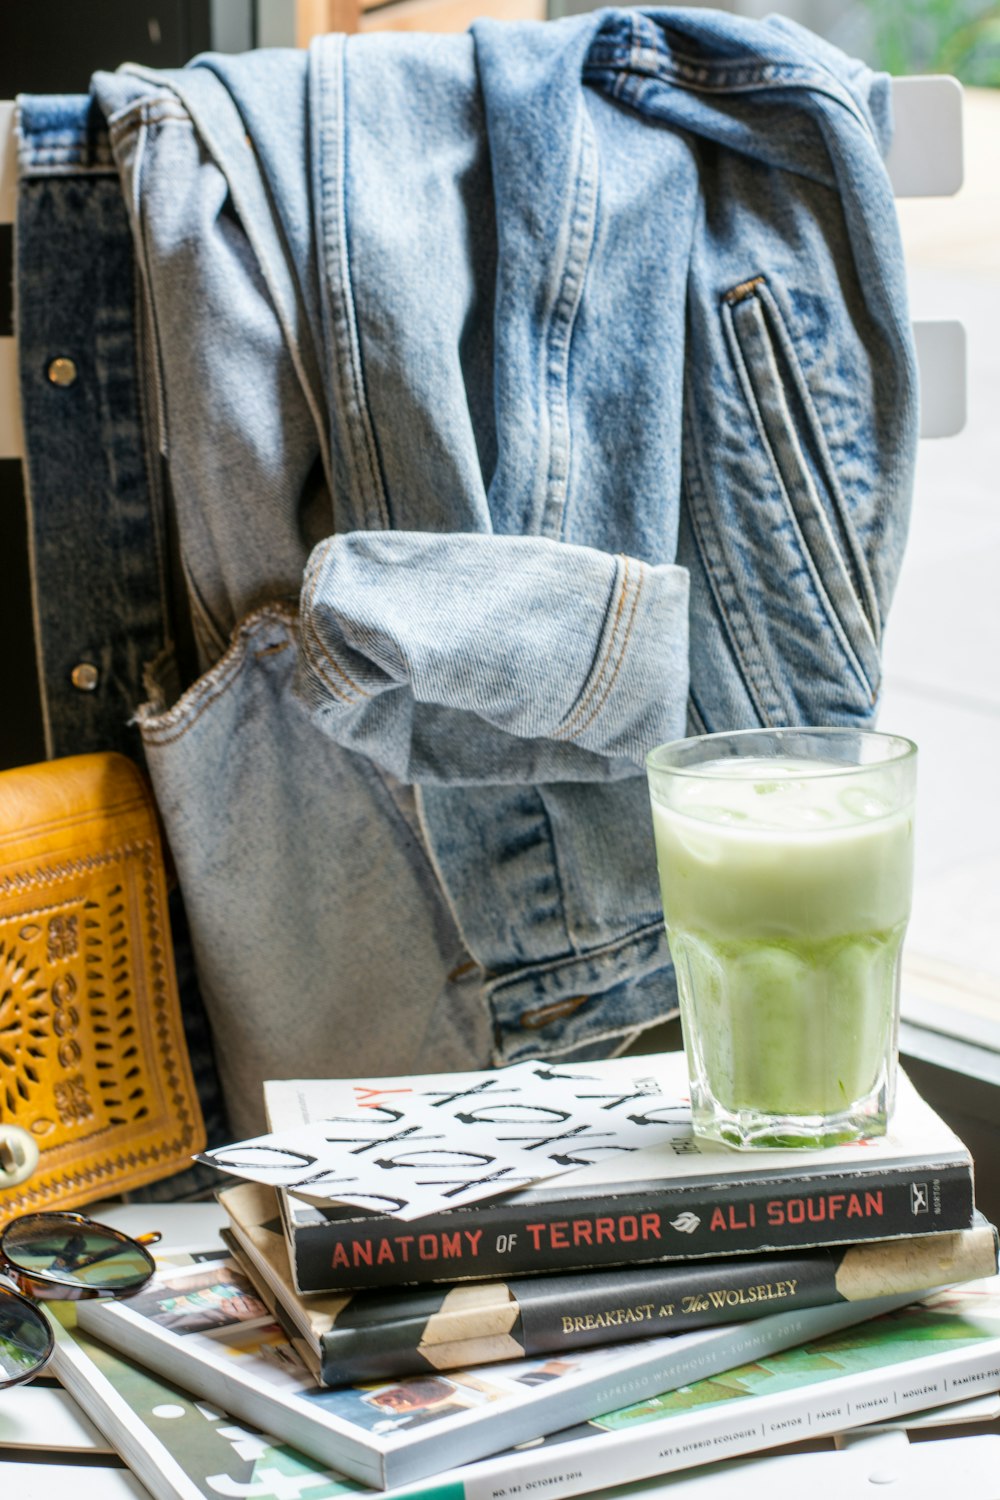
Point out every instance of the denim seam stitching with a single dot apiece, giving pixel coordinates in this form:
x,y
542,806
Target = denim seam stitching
x,y
727,77
338,303
220,687
216,682
628,590
634,90
643,59
151,449
117,448
32,505
733,616
775,712
636,593
496,987
597,671
154,363
696,712
867,604
582,222
553,847
312,638
145,113
46,152
819,591
213,143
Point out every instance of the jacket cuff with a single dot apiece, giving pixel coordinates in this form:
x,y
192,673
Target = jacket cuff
x,y
480,658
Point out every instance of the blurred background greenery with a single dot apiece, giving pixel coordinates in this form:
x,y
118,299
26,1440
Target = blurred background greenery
x,y
961,37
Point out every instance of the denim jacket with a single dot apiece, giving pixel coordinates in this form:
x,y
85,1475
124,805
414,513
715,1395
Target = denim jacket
x,y
526,398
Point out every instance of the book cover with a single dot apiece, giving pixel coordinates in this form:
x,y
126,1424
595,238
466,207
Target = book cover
x,y
681,1200
203,1326
374,1335
185,1449
944,1351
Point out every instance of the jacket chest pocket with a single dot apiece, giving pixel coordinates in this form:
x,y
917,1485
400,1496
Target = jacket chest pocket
x,y
783,561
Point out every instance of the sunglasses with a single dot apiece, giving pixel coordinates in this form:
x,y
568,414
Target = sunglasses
x,y
59,1257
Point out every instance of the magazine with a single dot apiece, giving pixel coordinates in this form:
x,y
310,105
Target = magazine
x,y
181,1448
890,1371
204,1326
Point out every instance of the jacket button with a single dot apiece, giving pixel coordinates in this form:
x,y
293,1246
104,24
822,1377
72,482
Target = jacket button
x,y
62,371
85,676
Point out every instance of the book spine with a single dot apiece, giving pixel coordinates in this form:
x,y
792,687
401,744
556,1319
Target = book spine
x,y
647,1223
607,1459
384,1336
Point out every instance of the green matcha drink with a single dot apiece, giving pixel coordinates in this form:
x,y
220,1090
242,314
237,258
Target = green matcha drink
x,y
786,873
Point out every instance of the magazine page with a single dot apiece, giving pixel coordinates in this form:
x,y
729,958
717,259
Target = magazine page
x,y
217,1312
944,1350
204,1326
182,1448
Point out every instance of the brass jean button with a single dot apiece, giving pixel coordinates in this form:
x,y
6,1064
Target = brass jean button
x,y
85,676
62,371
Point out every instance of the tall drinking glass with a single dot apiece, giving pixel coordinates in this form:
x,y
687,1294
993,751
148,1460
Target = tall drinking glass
x,y
786,868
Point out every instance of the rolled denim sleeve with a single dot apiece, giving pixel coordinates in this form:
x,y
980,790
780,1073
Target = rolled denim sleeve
x,y
466,658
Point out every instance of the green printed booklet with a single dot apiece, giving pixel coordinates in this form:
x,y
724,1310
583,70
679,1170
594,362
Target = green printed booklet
x,y
943,1350
200,1323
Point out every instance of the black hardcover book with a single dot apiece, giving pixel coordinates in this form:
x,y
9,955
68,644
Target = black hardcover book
x,y
684,1200
380,1335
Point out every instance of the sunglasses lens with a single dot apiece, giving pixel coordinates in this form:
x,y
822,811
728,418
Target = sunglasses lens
x,y
25,1338
57,1249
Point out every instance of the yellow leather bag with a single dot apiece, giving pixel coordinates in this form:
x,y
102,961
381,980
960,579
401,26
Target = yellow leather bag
x,y
93,1063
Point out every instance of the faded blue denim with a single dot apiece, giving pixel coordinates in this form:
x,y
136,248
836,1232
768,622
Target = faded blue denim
x,y
561,376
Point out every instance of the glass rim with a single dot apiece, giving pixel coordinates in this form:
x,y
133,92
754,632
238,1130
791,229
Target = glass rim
x,y
833,732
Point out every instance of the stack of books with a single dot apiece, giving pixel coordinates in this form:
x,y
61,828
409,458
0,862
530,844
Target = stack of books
x,y
598,1329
